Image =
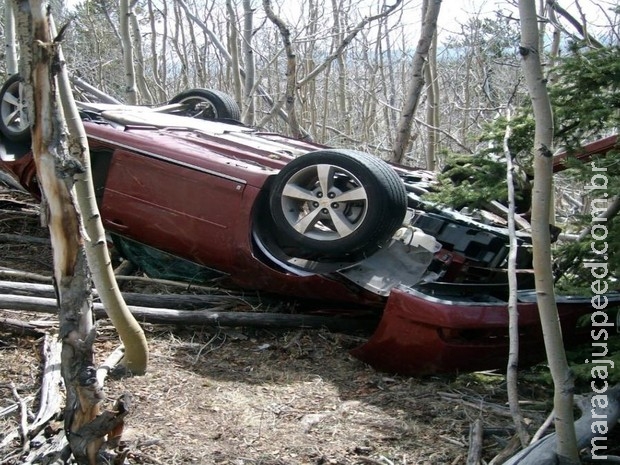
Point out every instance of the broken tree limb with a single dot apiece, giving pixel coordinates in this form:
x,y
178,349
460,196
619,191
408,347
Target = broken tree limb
x,y
476,435
543,452
211,317
50,398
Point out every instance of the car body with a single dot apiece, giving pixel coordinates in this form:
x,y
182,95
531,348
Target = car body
x,y
272,213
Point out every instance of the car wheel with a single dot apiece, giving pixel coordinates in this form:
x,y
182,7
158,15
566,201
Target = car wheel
x,y
208,104
336,205
14,123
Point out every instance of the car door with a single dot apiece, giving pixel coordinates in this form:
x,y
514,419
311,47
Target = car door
x,y
183,209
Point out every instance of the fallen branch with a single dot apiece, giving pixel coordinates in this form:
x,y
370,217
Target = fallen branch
x,y
22,239
212,317
476,435
50,400
22,328
175,301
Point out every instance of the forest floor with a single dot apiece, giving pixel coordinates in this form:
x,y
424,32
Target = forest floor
x,y
247,396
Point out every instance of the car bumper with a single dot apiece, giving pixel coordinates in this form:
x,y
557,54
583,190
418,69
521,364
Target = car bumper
x,y
420,334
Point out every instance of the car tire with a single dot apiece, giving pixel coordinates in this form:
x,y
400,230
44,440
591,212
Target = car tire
x,y
334,205
14,123
209,104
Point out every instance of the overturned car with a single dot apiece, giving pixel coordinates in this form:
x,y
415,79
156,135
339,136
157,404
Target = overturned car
x,y
300,219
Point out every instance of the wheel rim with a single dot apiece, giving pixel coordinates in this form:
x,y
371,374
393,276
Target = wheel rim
x,y
324,202
13,109
200,108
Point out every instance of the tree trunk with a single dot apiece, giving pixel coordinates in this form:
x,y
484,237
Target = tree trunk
x,y
10,46
130,332
55,171
145,94
248,58
130,77
234,51
403,131
541,240
291,69
432,106
161,94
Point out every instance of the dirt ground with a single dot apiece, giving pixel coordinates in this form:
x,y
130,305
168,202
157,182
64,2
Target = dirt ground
x,y
270,397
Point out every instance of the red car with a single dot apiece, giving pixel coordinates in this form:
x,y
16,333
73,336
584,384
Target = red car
x,y
300,219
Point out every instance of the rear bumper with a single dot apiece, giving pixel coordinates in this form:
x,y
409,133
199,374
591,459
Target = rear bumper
x,y
420,334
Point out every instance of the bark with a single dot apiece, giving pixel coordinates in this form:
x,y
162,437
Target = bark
x,y
541,240
131,93
403,130
161,93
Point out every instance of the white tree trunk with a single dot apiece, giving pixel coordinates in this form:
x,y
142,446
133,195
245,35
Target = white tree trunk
x,y
541,195
10,47
131,93
403,131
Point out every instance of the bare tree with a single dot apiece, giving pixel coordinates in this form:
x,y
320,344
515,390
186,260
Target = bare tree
x,y
543,171
145,93
234,50
432,105
513,311
249,65
291,69
403,131
131,93
56,167
10,46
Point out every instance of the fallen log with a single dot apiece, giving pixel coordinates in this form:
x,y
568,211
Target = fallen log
x,y
543,452
23,328
174,301
22,239
212,317
476,435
